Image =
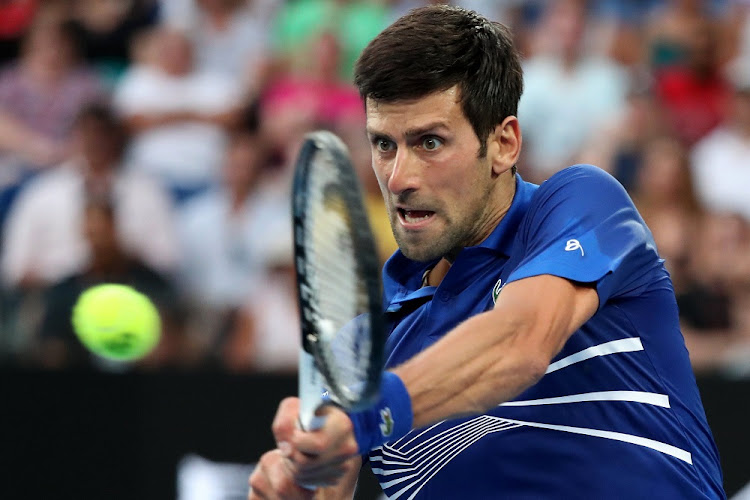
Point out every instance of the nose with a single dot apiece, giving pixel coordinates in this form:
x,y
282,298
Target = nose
x,y
405,172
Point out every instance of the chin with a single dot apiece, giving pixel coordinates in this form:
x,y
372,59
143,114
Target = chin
x,y
420,253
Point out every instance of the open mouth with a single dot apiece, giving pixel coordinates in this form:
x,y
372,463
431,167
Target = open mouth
x,y
414,216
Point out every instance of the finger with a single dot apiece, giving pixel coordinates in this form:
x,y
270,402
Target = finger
x,y
299,462
334,439
285,422
260,484
326,476
285,485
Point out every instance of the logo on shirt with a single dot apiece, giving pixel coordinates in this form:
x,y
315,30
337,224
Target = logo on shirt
x,y
573,245
386,424
496,290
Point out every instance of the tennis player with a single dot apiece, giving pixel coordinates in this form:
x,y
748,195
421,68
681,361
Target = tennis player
x,y
534,348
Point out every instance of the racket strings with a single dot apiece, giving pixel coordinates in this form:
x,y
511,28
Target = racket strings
x,y
342,299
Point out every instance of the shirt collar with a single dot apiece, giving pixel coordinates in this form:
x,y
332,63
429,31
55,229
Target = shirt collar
x,y
402,277
502,237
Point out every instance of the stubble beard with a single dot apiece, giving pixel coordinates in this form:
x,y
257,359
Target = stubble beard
x,y
456,235
427,249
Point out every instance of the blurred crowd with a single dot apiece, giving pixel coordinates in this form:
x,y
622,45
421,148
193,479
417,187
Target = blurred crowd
x,y
151,142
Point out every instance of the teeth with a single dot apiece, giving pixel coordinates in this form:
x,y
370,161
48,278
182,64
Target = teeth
x,y
408,217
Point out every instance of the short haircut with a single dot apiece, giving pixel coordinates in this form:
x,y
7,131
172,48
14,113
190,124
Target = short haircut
x,y
434,48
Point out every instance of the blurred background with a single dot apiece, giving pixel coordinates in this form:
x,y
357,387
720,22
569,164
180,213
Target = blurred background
x,y
150,142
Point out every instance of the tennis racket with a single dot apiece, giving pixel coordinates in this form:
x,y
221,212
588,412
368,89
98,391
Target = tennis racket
x,y
338,281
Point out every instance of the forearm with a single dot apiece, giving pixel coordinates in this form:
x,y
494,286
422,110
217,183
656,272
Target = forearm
x,y
17,138
475,367
494,356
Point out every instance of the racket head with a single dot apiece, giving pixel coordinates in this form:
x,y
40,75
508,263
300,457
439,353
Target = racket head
x,y
338,273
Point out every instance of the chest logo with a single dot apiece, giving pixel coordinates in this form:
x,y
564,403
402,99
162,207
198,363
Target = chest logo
x,y
496,290
573,245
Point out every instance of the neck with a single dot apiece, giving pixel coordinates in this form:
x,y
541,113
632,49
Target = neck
x,y
238,196
506,194
498,205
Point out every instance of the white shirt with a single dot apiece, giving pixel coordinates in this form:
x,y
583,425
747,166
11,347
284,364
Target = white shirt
x,y
44,231
721,171
236,51
223,253
559,109
276,326
186,153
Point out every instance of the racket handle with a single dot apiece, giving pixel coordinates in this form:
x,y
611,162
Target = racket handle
x,y
310,397
310,393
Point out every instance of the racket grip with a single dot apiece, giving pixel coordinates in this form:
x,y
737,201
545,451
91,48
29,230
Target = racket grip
x,y
311,387
310,397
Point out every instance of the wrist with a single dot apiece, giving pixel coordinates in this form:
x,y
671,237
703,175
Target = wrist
x,y
389,419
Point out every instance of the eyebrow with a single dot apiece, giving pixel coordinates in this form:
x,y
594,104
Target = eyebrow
x,y
412,132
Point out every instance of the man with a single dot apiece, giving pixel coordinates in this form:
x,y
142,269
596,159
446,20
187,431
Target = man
x,y
534,347
44,236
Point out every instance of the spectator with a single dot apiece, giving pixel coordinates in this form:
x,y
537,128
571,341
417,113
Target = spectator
x,y
618,147
694,94
17,16
562,81
56,345
178,115
40,95
229,36
266,334
44,239
314,96
670,30
665,198
107,30
720,160
712,313
223,234
353,22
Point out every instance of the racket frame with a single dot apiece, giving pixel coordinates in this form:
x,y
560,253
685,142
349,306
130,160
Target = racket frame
x,y
315,372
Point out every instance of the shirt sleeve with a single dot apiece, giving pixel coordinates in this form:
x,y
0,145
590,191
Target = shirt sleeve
x,y
583,226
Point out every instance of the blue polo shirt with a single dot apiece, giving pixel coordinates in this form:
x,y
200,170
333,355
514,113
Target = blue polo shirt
x,y
617,415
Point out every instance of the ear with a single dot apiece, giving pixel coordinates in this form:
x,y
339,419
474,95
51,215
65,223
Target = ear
x,y
504,145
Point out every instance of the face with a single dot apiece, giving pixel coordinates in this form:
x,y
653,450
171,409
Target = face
x,y
96,142
438,193
242,161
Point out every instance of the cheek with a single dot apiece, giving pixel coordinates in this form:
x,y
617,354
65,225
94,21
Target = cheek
x,y
381,173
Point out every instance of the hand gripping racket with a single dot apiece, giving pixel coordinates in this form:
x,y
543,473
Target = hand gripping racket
x,y
338,281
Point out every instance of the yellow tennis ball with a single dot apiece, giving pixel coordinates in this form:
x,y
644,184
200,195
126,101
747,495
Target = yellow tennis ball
x,y
116,322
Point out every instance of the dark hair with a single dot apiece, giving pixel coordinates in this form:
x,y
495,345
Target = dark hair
x,y
103,115
434,48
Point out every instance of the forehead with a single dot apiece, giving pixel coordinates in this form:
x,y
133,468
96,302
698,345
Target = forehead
x,y
393,118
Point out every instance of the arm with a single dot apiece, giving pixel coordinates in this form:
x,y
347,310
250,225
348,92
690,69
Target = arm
x,y
141,122
18,139
485,361
494,356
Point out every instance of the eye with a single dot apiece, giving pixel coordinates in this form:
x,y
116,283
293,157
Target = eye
x,y
383,145
431,143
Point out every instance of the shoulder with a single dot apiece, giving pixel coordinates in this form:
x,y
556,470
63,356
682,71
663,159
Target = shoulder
x,y
581,180
581,196
53,184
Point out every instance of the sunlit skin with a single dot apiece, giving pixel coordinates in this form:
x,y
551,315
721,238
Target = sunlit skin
x,y
440,194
